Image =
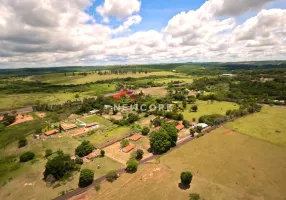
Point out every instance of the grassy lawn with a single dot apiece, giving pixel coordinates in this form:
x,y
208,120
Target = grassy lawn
x,y
101,139
207,108
60,78
225,166
267,125
95,118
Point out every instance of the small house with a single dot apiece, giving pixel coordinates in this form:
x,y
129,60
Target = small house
x,y
67,127
93,124
203,125
51,132
1,118
180,127
128,148
135,137
93,154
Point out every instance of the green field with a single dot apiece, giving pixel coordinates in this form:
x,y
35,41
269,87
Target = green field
x,y
225,166
60,78
95,118
267,125
208,108
101,139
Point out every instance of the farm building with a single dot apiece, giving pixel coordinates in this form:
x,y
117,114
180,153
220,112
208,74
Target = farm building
x,y
51,132
135,137
67,127
93,154
128,148
180,127
93,124
123,93
203,125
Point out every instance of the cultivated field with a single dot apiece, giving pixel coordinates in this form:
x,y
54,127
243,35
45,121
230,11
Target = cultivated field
x,y
155,91
267,125
60,78
208,108
225,166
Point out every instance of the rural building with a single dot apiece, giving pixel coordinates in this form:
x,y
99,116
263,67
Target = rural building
x,y
1,118
180,127
128,148
192,123
67,127
93,112
135,137
93,124
203,125
123,93
51,132
93,154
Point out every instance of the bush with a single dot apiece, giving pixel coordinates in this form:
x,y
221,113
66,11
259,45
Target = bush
x,y
132,165
84,148
111,176
139,154
86,177
22,142
124,143
25,157
214,119
102,153
186,178
194,108
192,132
194,196
48,152
78,161
145,130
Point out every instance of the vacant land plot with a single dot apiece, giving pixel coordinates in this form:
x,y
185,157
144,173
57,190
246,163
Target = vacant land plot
x,y
225,166
28,183
146,121
207,108
60,78
154,91
267,125
103,139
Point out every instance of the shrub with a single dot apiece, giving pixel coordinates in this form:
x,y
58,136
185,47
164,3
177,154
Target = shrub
x,y
139,154
86,177
84,148
124,143
78,161
111,176
194,196
132,165
192,132
25,157
22,142
102,153
186,178
145,130
48,152
194,108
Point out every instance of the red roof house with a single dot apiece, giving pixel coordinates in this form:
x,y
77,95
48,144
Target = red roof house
x,y
128,148
51,132
179,127
135,137
91,124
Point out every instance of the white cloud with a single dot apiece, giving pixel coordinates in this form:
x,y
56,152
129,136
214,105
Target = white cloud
x,y
119,8
136,19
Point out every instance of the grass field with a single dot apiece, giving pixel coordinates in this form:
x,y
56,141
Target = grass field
x,y
207,108
267,125
225,166
95,118
101,139
21,100
60,78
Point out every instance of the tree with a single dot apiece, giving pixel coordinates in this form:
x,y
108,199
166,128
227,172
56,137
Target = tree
x,y
22,142
59,166
172,132
86,177
48,152
124,143
160,141
192,132
102,153
27,156
186,178
9,119
199,129
111,176
78,161
194,108
131,165
184,103
186,123
84,148
76,96
139,154
194,196
132,118
145,130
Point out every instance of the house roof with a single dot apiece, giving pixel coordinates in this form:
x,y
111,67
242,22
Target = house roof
x,y
203,125
1,117
68,126
128,148
93,154
51,132
180,127
135,137
91,124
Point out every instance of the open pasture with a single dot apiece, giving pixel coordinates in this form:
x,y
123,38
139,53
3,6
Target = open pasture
x,y
269,125
208,108
225,166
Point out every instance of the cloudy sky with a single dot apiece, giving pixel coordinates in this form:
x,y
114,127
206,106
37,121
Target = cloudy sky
x,y
42,33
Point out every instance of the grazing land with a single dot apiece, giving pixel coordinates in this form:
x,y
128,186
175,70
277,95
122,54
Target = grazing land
x,y
208,108
267,125
225,166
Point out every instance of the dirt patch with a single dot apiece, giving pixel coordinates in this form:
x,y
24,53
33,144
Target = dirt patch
x,y
21,119
41,115
154,91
